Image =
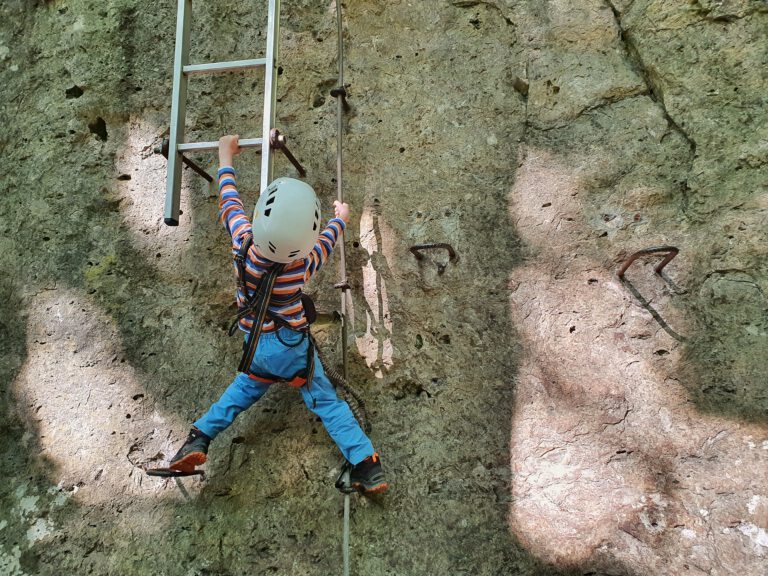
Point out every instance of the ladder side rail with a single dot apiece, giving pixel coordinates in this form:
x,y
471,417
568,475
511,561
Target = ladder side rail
x,y
270,91
178,113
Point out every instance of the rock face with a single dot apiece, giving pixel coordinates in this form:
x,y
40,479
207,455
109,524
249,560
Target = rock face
x,y
536,414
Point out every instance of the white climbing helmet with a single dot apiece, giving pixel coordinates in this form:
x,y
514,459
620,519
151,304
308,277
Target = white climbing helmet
x,y
286,220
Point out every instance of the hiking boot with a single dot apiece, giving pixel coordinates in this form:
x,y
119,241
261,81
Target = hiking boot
x,y
368,476
192,453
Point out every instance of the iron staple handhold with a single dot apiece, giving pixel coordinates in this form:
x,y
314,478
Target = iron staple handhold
x,y
671,252
415,250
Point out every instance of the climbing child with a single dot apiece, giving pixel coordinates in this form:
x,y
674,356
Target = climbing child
x,y
284,247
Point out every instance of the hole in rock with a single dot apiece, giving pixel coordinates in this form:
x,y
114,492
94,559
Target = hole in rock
x,y
74,92
99,128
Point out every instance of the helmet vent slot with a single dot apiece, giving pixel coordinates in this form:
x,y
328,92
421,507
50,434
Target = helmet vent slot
x,y
267,212
272,247
292,254
314,227
272,199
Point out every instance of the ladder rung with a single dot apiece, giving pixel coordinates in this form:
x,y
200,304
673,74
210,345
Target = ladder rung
x,y
200,146
232,66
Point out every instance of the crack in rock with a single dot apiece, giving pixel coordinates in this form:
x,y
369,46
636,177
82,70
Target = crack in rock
x,y
654,88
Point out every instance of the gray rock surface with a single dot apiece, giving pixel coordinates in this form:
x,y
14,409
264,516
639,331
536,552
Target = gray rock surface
x,y
536,414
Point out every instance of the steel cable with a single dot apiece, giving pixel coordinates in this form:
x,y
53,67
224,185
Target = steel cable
x,y
342,260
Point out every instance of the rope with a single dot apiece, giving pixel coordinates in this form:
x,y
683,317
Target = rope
x,y
358,406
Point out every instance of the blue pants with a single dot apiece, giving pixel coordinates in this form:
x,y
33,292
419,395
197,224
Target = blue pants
x,y
274,357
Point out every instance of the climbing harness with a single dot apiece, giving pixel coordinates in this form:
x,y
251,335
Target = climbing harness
x,y
182,70
257,306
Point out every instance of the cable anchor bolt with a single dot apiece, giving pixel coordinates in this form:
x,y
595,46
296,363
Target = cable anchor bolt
x,y
343,484
164,147
341,92
278,141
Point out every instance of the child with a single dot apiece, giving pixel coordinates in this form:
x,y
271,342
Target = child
x,y
285,231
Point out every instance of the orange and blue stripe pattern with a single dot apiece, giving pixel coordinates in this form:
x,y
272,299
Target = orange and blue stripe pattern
x,y
296,273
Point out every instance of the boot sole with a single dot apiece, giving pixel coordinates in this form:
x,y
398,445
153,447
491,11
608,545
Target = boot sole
x,y
188,463
378,489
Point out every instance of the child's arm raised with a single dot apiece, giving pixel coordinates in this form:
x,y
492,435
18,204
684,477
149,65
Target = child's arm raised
x,y
231,207
228,147
327,239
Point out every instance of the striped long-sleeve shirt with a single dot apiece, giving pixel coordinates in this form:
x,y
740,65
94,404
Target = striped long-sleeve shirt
x,y
295,274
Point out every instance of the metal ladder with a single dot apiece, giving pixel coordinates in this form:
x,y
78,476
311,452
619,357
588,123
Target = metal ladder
x,y
182,70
